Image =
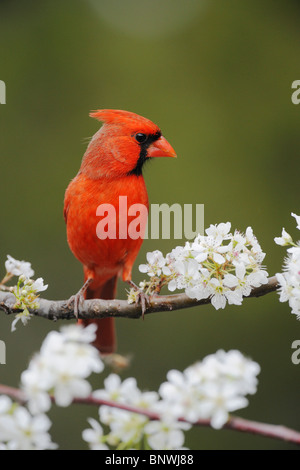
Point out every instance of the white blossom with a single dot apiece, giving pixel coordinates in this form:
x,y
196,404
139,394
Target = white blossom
x,y
26,293
238,368
289,279
24,316
164,435
79,334
19,430
38,285
289,290
188,273
221,266
156,264
116,390
62,366
284,240
126,427
133,296
94,435
5,404
220,231
210,389
297,217
36,381
179,397
218,400
18,268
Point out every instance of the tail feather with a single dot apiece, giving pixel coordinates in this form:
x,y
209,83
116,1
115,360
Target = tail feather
x,y
106,335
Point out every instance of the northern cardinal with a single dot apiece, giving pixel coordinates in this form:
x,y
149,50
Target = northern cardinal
x,y
111,167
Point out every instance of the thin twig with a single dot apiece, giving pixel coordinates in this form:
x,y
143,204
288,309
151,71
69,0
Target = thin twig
x,y
281,433
97,308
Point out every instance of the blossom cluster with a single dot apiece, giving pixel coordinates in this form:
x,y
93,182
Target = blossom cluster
x,y
221,266
61,368
129,430
136,419
289,279
25,291
210,389
59,371
19,430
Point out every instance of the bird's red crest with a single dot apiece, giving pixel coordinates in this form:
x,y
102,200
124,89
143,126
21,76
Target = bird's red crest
x,y
118,116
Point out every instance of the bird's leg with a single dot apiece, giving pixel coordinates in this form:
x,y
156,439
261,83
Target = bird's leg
x,y
76,299
142,298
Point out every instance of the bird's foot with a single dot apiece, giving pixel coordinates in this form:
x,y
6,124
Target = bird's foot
x,y
75,300
142,298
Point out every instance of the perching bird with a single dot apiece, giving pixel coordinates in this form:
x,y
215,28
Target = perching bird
x,y
111,167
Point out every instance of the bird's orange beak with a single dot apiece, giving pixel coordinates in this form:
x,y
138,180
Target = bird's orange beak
x,y
161,148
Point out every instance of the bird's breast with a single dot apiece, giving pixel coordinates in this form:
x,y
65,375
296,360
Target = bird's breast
x,y
106,220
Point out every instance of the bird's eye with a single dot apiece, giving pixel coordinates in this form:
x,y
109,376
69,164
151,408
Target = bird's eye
x,y
141,138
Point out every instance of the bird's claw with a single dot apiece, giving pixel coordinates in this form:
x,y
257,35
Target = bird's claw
x,y
76,299
74,302
142,298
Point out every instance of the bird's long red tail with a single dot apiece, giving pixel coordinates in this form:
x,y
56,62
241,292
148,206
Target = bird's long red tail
x,y
106,335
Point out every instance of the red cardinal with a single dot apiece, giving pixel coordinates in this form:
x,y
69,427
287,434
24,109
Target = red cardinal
x,y
111,167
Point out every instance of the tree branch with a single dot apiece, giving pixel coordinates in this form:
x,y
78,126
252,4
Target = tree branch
x,y
234,423
97,308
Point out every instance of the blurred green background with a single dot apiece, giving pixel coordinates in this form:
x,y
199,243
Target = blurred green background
x,y
216,77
